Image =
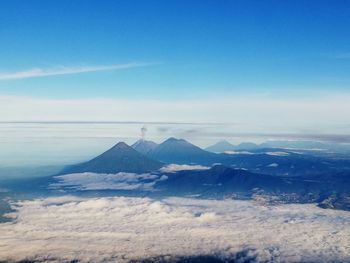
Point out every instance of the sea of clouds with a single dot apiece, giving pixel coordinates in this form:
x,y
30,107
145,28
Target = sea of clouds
x,y
121,229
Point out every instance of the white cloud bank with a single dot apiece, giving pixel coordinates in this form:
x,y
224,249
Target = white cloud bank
x,y
277,153
172,168
119,229
39,72
100,181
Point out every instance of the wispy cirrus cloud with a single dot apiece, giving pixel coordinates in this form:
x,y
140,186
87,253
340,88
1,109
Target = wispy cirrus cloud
x,y
64,70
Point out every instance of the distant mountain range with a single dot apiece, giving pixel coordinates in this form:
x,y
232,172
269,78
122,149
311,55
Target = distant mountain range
x,y
277,172
145,156
225,146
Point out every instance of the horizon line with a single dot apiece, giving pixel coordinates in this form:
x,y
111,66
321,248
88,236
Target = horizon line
x,y
116,122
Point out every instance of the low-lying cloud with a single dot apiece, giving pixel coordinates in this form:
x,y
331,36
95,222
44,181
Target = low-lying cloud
x,y
172,168
121,229
100,181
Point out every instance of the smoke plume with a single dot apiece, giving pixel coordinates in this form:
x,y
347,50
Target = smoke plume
x,y
143,132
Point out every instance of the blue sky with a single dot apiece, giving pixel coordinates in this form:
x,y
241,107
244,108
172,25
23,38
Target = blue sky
x,y
195,48
235,70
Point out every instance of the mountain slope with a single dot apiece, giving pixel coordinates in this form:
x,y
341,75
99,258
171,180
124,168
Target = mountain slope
x,y
182,152
120,158
246,146
144,146
221,180
220,147
331,191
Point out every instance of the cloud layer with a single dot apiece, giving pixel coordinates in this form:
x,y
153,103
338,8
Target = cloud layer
x,y
322,117
39,72
120,229
172,168
119,181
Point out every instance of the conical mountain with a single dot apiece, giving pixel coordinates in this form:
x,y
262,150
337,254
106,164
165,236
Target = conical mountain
x,y
144,146
120,158
247,146
220,147
225,146
181,152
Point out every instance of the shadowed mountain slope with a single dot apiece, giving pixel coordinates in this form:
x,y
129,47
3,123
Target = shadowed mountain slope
x,y
120,158
182,152
144,146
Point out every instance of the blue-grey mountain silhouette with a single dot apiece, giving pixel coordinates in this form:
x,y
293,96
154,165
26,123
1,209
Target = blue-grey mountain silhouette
x,y
225,146
120,158
182,152
220,147
144,146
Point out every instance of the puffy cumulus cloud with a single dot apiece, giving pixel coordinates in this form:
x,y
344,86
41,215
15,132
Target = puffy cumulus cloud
x,y
172,168
100,181
120,229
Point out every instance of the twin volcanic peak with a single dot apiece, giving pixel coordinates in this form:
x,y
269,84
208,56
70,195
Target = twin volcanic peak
x,y
144,156
286,174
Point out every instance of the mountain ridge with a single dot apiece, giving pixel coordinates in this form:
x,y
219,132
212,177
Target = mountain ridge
x,y
144,146
181,151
